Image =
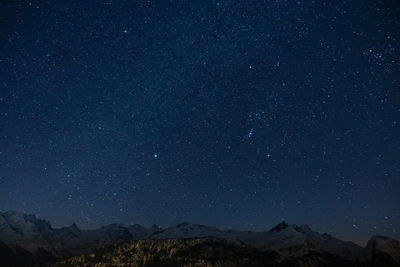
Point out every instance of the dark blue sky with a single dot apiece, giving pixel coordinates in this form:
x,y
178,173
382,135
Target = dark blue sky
x,y
237,114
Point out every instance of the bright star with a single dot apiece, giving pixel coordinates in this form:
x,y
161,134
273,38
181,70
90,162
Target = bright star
x,y
250,134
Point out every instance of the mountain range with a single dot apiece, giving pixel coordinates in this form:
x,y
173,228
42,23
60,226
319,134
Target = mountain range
x,y
26,240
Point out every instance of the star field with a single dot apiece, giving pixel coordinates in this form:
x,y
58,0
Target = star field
x,y
237,114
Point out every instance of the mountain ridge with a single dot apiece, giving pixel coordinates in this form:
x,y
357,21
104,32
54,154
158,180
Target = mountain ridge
x,y
38,241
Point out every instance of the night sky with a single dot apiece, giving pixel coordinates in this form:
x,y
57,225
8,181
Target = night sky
x,y
235,114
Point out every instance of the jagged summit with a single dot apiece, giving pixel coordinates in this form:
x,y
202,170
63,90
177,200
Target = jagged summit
x,y
302,228
113,226
284,225
18,216
190,225
184,224
73,226
280,227
187,230
17,223
72,229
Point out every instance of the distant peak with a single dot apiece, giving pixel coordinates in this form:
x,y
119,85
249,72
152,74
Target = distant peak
x,y
185,223
113,226
18,216
12,213
280,227
155,226
74,226
303,228
326,235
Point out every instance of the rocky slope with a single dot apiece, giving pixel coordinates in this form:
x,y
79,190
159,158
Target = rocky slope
x,y
175,252
198,252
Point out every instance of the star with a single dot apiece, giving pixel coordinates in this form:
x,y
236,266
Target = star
x,y
250,134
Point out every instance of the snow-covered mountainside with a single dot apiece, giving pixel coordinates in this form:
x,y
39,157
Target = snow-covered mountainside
x,y
294,240
26,231
18,230
22,234
288,240
187,230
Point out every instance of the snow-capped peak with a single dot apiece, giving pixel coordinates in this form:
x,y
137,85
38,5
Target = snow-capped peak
x,y
281,226
303,228
15,223
188,230
73,229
